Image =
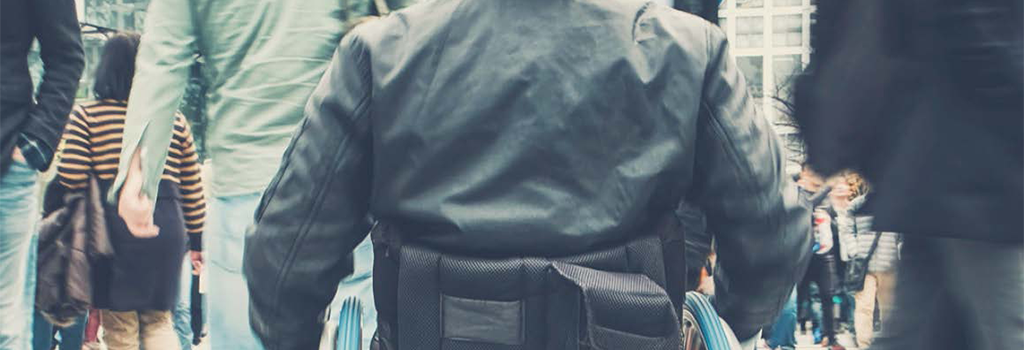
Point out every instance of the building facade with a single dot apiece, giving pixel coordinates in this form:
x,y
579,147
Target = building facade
x,y
771,41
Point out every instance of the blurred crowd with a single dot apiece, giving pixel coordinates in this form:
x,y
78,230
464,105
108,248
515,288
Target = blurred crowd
x,y
509,175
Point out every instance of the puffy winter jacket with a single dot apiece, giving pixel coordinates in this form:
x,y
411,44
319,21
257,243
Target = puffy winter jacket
x,y
857,236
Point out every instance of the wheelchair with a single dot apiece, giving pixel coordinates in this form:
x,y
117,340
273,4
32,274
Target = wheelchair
x,y
702,329
343,328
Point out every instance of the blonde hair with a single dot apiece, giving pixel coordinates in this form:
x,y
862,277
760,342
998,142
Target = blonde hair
x,y
858,186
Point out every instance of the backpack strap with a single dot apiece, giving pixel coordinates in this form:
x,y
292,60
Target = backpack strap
x,y
874,245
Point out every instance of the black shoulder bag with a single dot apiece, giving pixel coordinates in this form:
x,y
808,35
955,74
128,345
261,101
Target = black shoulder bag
x,y
857,268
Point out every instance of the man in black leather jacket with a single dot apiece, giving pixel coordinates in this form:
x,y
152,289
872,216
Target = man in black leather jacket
x,y
526,128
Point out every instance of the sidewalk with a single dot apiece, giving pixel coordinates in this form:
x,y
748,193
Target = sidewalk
x,y
806,342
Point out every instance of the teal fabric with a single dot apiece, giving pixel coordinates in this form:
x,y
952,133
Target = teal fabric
x,y
354,302
262,60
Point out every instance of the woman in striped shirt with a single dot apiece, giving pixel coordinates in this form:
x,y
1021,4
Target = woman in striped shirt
x,y
139,286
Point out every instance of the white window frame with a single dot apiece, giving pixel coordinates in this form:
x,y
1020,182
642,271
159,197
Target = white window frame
x,y
731,13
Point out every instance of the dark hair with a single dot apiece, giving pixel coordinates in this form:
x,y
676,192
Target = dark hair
x,y
116,69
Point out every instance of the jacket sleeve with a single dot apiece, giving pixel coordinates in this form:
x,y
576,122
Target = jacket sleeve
x,y
166,55
193,199
75,163
313,214
762,228
60,48
846,223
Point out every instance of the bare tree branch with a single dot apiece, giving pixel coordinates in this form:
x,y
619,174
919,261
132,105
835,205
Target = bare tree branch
x,y
782,98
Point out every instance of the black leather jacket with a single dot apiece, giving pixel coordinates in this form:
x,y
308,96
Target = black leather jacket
x,y
517,128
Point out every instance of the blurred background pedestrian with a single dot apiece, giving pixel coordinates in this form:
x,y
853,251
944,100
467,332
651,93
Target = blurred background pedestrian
x,y
137,289
923,98
873,287
823,269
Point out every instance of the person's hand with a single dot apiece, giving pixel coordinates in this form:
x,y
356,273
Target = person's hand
x,y
706,285
197,262
134,206
17,156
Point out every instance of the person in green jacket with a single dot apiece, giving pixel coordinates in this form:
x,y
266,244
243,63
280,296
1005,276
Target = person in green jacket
x,y
261,61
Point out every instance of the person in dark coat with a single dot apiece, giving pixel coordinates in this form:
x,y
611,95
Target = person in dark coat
x,y
822,270
36,120
924,99
30,126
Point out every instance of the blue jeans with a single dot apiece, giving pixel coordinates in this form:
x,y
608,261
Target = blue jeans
x,y
182,312
227,293
18,216
70,337
783,332
359,285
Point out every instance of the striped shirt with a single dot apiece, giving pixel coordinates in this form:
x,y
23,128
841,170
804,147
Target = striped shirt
x,y
93,139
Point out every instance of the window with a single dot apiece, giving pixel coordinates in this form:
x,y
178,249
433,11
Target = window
x,y
787,30
749,4
140,17
753,69
786,3
785,67
749,32
128,20
814,21
100,18
770,45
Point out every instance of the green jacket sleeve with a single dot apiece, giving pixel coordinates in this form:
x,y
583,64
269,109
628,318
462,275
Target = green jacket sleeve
x,y
166,54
